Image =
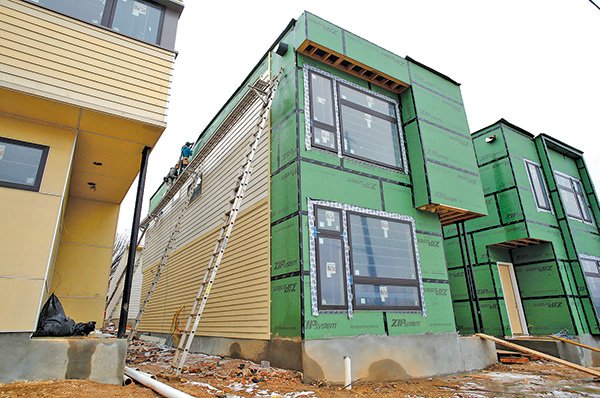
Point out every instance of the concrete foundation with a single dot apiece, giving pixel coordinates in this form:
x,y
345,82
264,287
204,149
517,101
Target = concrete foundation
x,y
90,358
566,351
374,358
381,358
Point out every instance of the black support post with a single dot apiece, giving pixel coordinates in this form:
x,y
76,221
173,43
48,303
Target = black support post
x,y
135,226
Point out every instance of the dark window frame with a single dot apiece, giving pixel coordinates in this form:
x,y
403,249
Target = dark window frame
x,y
542,180
371,112
331,234
583,208
339,135
320,125
108,15
366,280
40,170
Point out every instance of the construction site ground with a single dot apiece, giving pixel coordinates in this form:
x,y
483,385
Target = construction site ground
x,y
217,377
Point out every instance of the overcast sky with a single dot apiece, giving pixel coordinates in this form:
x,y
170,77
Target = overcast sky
x,y
535,63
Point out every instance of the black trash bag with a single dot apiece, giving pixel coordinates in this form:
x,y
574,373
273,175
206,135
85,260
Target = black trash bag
x,y
54,322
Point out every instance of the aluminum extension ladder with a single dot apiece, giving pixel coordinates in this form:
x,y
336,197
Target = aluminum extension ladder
x,y
163,261
214,262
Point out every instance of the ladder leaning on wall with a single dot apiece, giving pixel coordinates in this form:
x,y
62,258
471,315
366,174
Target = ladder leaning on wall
x,y
216,257
264,90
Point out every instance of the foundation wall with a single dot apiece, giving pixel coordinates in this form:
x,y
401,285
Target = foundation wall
x,y
96,359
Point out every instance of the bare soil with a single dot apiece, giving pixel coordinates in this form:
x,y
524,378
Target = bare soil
x,y
217,377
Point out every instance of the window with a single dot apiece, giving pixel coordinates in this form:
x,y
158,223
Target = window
x,y
139,19
352,121
197,189
590,267
538,185
21,164
90,11
371,254
573,197
330,259
383,263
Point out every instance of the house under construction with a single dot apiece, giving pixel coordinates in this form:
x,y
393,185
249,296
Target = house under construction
x,y
532,265
337,248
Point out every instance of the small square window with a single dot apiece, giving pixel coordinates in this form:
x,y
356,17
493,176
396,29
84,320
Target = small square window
x,y
329,219
22,164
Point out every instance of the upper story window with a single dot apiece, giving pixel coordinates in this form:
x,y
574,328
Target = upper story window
x,y
573,197
22,164
538,185
352,121
139,19
363,259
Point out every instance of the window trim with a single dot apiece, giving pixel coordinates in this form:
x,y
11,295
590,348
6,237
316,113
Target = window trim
x,y
308,69
572,189
331,235
197,187
541,177
315,308
40,170
366,280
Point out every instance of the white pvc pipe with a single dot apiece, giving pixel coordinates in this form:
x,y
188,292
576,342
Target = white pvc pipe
x,y
347,373
127,380
161,388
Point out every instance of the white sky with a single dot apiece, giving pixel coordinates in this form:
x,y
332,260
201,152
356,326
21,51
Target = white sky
x,y
535,63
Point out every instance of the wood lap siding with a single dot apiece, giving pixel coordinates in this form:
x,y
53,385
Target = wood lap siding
x,y
220,172
238,305
239,302
42,52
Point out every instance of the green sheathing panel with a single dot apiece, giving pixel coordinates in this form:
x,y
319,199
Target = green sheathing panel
x,y
488,152
578,238
285,257
285,307
318,30
337,184
463,318
157,197
547,316
284,193
450,166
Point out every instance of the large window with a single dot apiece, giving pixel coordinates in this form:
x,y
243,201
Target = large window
x,y
139,19
573,197
352,121
591,269
371,255
538,185
21,164
383,263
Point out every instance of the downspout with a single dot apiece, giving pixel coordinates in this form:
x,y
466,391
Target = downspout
x,y
135,226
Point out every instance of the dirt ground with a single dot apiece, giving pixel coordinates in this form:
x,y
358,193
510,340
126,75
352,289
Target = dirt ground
x,y
216,377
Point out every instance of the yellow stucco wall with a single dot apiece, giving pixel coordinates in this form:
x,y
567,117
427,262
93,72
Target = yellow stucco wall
x,y
29,224
80,275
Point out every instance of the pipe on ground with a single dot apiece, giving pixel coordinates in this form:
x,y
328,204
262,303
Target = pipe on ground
x,y
161,388
127,380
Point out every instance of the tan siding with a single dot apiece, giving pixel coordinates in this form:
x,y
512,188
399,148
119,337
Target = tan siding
x,y
220,172
48,54
238,305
